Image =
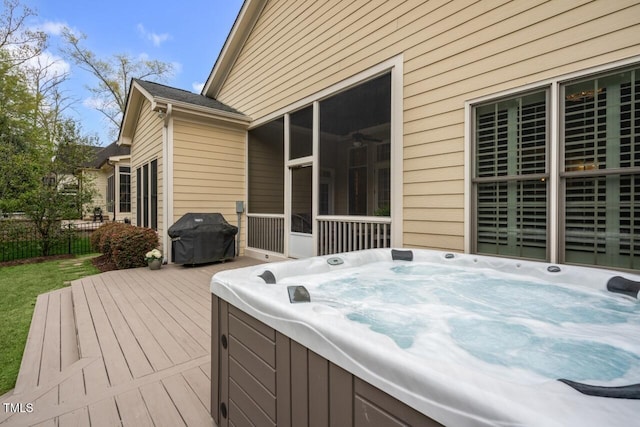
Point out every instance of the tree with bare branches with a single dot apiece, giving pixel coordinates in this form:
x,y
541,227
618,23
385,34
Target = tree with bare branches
x,y
19,42
114,75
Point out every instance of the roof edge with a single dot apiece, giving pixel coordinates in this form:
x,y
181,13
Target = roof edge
x,y
244,23
162,103
133,103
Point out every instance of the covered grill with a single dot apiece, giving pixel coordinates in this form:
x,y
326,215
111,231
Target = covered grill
x,y
198,238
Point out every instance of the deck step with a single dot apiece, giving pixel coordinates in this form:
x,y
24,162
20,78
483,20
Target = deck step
x,y
52,343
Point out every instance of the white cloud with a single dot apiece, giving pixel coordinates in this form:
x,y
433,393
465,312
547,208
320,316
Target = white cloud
x,y
93,103
54,65
155,38
52,28
197,87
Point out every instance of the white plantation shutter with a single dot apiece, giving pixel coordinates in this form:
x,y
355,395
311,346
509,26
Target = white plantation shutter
x,y
601,174
510,179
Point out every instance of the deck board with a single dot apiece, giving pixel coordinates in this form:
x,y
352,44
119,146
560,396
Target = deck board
x,y
50,364
162,410
152,349
133,411
30,365
200,384
142,351
114,361
104,413
77,418
68,338
186,401
176,323
129,347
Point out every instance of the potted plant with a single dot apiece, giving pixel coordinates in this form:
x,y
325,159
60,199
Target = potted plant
x,y
154,259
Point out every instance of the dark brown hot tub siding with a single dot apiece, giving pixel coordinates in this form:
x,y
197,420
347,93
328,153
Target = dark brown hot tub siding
x,y
263,378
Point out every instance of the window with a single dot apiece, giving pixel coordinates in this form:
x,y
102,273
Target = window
x,y
598,152
125,189
139,196
510,180
111,192
601,170
147,195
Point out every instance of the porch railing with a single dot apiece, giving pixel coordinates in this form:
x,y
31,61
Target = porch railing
x,y
346,234
266,232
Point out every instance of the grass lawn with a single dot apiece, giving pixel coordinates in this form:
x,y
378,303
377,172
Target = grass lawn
x,y
19,287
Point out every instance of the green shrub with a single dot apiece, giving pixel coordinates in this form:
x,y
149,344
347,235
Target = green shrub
x,y
130,244
97,234
107,236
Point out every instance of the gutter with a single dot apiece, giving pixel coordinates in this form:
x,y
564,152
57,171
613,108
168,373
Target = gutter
x,y
167,179
158,104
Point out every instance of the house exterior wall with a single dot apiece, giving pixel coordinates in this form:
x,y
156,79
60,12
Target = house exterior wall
x,y
146,145
452,52
99,181
208,168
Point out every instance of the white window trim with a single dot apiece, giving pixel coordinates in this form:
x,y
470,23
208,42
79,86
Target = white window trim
x,y
554,86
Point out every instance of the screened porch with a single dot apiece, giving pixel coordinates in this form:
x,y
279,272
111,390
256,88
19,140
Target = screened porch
x,y
320,178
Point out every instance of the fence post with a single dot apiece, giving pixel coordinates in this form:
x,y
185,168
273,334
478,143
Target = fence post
x,y
69,238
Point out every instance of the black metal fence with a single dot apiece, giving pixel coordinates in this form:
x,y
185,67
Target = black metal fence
x,y
19,239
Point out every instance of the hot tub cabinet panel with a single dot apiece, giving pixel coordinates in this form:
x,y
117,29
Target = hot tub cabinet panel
x,y
261,377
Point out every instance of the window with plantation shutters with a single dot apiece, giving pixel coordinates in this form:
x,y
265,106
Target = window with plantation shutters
x,y
601,170
511,177
596,185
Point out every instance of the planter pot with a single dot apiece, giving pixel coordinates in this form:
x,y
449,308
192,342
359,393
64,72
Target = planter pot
x,y
154,264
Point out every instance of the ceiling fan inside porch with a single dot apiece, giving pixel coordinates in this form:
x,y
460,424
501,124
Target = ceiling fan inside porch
x,y
361,137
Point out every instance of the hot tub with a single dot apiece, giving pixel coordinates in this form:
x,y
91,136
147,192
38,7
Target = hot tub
x,y
421,337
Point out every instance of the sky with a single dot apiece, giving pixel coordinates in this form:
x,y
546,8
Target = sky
x,y
188,33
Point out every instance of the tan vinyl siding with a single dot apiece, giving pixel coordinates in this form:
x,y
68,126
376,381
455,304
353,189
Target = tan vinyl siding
x,y
208,169
99,182
146,146
452,51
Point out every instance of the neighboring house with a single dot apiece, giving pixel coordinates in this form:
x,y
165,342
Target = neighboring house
x,y
111,172
506,128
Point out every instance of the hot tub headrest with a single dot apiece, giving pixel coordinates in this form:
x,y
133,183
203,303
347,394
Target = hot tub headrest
x,y
298,294
631,391
268,277
398,255
621,285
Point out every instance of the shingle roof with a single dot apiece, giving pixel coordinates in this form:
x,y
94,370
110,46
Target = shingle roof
x,y
162,91
110,150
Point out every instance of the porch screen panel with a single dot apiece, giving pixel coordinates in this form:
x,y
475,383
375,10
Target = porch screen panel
x,y
301,133
601,177
154,194
510,179
352,124
266,168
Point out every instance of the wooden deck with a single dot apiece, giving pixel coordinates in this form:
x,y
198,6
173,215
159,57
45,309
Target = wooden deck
x,y
128,347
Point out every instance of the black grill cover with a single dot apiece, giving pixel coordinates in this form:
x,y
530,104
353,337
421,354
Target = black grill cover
x,y
199,238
